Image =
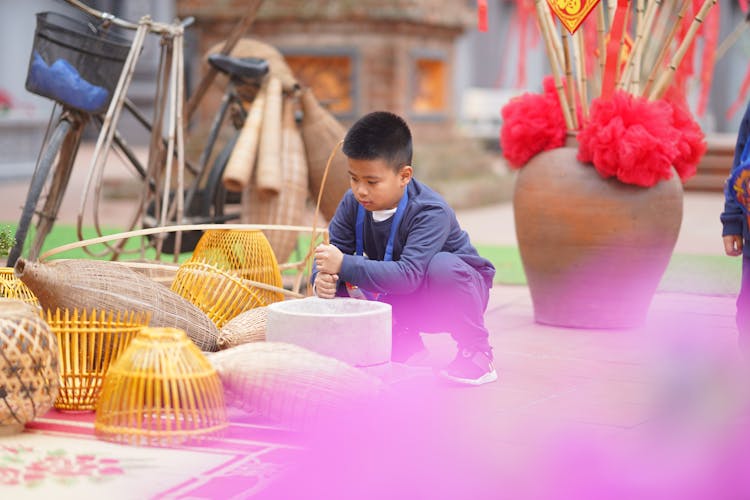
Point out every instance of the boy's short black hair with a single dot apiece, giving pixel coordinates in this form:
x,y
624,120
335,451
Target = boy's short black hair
x,y
380,135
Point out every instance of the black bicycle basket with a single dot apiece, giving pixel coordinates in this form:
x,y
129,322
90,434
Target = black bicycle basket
x,y
75,63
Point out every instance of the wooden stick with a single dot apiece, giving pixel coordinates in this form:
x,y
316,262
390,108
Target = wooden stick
x,y
666,77
635,76
665,47
733,37
571,87
580,56
239,29
545,26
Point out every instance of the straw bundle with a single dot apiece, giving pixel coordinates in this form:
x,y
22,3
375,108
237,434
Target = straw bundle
x,y
93,284
28,365
239,169
268,170
230,272
250,326
162,391
321,134
13,288
248,47
289,385
288,207
89,342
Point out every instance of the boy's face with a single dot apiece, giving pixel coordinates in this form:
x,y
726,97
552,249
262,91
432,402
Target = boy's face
x,y
375,185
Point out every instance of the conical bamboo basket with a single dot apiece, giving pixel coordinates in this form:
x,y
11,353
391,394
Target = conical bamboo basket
x,y
13,288
162,391
288,207
321,133
28,365
289,385
88,342
226,274
250,326
108,286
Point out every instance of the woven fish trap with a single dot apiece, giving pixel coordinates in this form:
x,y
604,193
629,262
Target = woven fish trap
x,y
28,365
230,272
88,343
162,391
13,288
250,326
289,385
109,286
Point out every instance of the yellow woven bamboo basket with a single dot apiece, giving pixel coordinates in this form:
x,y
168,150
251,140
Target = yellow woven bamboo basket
x,y
88,342
13,288
230,272
162,391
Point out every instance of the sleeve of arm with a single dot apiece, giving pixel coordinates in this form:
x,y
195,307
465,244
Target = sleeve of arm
x,y
427,234
341,229
732,216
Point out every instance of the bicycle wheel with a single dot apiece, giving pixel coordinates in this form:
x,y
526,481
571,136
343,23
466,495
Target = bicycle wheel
x,y
38,181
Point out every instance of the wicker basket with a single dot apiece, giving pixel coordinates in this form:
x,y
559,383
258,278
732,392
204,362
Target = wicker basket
x,y
13,288
109,286
162,391
290,385
28,365
250,326
230,272
88,342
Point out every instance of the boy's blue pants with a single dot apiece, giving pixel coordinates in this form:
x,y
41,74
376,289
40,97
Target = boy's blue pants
x,y
452,298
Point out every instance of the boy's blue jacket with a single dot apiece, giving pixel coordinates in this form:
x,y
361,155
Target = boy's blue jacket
x,y
428,226
733,218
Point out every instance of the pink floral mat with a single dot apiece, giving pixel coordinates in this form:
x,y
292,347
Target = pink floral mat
x,y
58,456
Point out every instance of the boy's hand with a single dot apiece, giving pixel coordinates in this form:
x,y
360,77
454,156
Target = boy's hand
x,y
733,244
328,258
325,285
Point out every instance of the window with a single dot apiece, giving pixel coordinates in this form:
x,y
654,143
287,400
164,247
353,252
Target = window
x,y
331,76
429,85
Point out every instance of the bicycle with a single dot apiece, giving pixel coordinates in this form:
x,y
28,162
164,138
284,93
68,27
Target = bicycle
x,y
72,38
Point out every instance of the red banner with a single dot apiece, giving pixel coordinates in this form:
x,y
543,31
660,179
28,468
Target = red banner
x,y
572,12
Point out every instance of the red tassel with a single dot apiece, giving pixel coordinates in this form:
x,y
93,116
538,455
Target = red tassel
x,y
743,5
482,15
744,88
613,49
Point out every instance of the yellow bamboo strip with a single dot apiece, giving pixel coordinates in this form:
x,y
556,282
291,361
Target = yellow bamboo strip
x,y
665,47
571,86
580,57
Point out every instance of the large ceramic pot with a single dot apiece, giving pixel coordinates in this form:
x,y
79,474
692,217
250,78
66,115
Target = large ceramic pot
x,y
593,249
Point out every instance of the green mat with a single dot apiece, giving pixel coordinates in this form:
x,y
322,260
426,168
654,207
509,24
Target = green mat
x,y
700,274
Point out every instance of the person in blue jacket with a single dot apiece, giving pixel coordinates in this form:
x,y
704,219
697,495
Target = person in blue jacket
x,y
396,240
735,234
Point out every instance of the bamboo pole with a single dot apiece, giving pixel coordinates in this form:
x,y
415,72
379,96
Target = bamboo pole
x,y
268,170
665,47
239,169
733,37
640,41
666,77
580,56
545,26
635,76
601,39
571,86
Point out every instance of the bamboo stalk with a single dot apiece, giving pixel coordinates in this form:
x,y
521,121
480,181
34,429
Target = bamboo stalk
x,y
665,47
545,26
268,169
601,38
239,169
666,77
635,77
571,87
580,57
640,41
733,37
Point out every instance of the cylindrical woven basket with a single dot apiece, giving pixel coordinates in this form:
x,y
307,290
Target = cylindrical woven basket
x,y
28,365
13,288
321,134
214,279
250,326
288,207
109,286
88,342
290,385
162,391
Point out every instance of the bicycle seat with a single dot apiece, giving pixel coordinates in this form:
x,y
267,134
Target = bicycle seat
x,y
243,67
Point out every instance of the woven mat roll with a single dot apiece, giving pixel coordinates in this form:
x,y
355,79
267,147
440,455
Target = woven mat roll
x,y
239,169
268,175
288,208
249,326
321,133
290,385
94,284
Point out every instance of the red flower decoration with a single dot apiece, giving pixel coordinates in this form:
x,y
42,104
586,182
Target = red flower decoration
x,y
691,145
532,123
630,138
